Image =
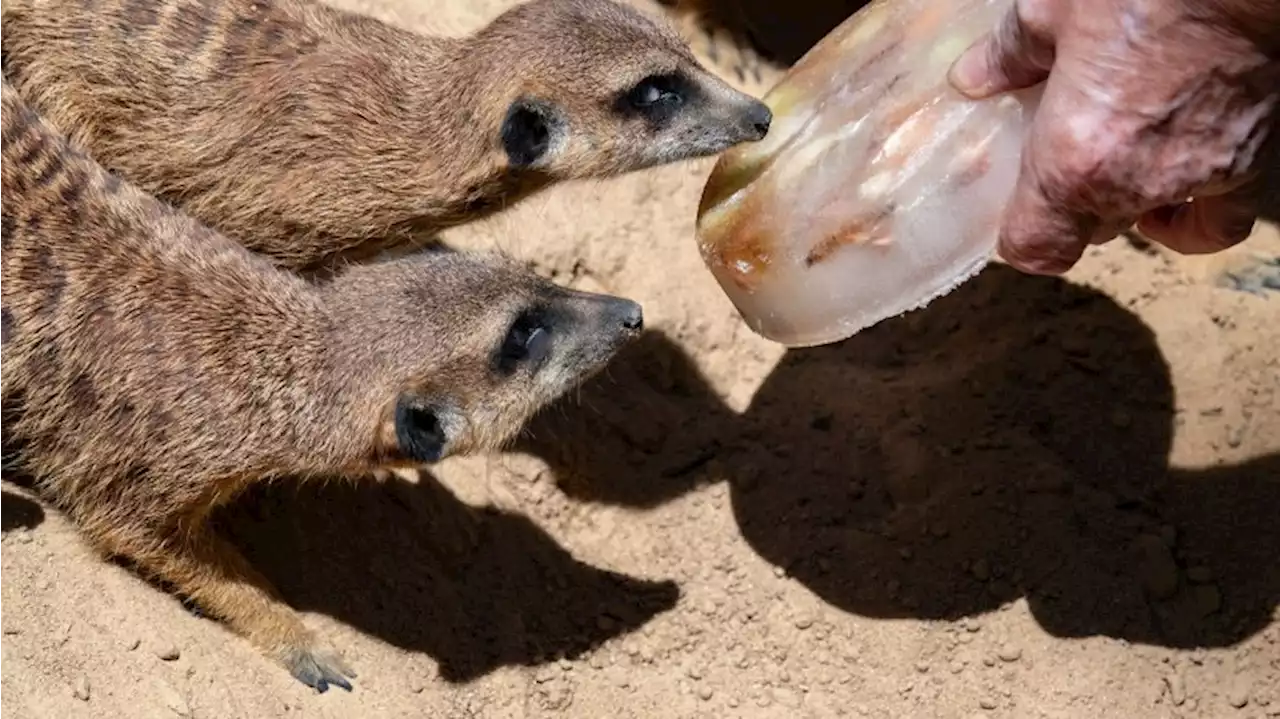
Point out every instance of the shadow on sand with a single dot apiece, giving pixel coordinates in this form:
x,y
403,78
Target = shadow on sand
x,y
1011,439
19,512
409,563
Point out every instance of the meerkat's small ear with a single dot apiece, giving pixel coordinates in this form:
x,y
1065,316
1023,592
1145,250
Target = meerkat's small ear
x,y
529,131
422,429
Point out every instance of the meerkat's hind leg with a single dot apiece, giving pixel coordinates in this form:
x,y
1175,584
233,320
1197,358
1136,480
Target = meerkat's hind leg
x,y
216,578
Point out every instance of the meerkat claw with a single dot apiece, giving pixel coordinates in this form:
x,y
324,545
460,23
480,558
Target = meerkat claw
x,y
319,669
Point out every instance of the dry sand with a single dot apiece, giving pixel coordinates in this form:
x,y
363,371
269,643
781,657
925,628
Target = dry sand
x,y
1037,497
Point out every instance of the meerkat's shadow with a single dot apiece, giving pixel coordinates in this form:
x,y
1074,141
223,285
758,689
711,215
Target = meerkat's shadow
x,y
1011,439
409,563
19,512
658,422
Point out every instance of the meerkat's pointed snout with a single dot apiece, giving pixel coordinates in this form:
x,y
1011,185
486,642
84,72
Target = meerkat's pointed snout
x,y
748,118
756,120
605,325
716,118
616,320
628,314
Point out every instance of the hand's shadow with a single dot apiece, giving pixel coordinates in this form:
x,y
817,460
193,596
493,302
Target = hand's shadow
x,y
475,589
1011,439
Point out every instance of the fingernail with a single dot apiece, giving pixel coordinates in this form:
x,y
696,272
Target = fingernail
x,y
968,72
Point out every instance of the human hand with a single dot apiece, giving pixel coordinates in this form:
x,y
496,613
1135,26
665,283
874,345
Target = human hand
x,y
1147,103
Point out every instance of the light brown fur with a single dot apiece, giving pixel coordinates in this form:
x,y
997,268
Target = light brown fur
x,y
312,134
154,368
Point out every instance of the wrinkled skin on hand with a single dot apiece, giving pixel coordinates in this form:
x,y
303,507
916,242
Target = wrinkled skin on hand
x,y
1147,103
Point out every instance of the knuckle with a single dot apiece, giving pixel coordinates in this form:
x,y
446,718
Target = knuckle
x,y
1031,28
1032,259
1037,15
1064,178
1012,55
1040,243
1080,170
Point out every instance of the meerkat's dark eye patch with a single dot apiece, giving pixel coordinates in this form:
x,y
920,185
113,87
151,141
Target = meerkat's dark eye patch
x,y
528,342
420,433
528,132
657,98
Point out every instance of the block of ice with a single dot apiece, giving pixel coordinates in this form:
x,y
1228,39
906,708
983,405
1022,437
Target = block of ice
x,y
879,187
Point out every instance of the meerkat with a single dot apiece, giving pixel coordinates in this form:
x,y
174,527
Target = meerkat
x,y
316,136
154,368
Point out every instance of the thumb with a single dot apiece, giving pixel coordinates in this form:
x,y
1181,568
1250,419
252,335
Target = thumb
x,y
1016,54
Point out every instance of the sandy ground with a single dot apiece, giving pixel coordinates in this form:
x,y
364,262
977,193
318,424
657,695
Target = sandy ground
x,y
1037,497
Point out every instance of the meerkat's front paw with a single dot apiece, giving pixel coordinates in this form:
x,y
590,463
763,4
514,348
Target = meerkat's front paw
x,y
318,667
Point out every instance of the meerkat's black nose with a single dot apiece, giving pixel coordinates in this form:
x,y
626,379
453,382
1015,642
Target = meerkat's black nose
x,y
630,313
758,118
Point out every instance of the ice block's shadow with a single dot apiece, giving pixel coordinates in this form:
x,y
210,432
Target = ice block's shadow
x,y
1011,439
